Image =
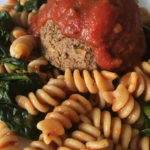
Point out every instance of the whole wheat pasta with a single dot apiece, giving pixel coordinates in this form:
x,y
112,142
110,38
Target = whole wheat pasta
x,y
139,123
101,81
7,138
36,145
16,33
23,47
62,116
111,128
98,100
124,104
54,73
43,99
138,82
138,142
10,7
22,19
34,66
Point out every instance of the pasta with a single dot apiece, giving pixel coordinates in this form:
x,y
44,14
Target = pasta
x,y
22,18
23,47
101,81
10,7
7,138
16,33
49,94
34,66
54,73
62,116
124,104
36,145
111,127
98,100
139,142
7,69
138,82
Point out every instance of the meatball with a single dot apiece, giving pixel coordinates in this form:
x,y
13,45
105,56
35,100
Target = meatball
x,y
64,52
111,28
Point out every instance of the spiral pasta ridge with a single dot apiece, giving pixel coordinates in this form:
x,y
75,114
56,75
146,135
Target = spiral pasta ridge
x,y
62,116
10,7
100,82
22,18
124,104
111,128
8,139
16,33
138,142
23,47
43,99
138,82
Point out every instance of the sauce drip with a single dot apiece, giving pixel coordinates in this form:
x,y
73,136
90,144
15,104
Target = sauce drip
x,y
112,28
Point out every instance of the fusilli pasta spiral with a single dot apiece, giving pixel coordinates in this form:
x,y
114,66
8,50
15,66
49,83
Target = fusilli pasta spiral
x,y
101,81
34,66
36,145
138,82
22,18
138,142
110,127
62,116
10,7
16,33
23,47
98,100
7,138
124,104
49,94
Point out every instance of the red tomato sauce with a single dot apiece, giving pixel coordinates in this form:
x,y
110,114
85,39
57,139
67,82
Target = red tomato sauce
x,y
112,28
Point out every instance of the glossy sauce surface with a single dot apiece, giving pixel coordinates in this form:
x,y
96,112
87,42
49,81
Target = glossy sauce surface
x,y
112,28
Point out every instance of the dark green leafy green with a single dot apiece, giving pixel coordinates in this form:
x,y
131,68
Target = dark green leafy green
x,y
145,130
6,25
146,55
20,121
4,49
30,5
15,64
13,84
17,119
19,7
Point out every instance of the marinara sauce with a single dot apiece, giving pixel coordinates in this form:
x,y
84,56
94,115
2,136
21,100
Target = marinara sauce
x,y
112,28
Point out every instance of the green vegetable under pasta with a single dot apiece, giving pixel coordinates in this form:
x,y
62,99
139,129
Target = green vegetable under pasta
x,y
145,130
20,121
15,64
30,5
17,119
6,26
